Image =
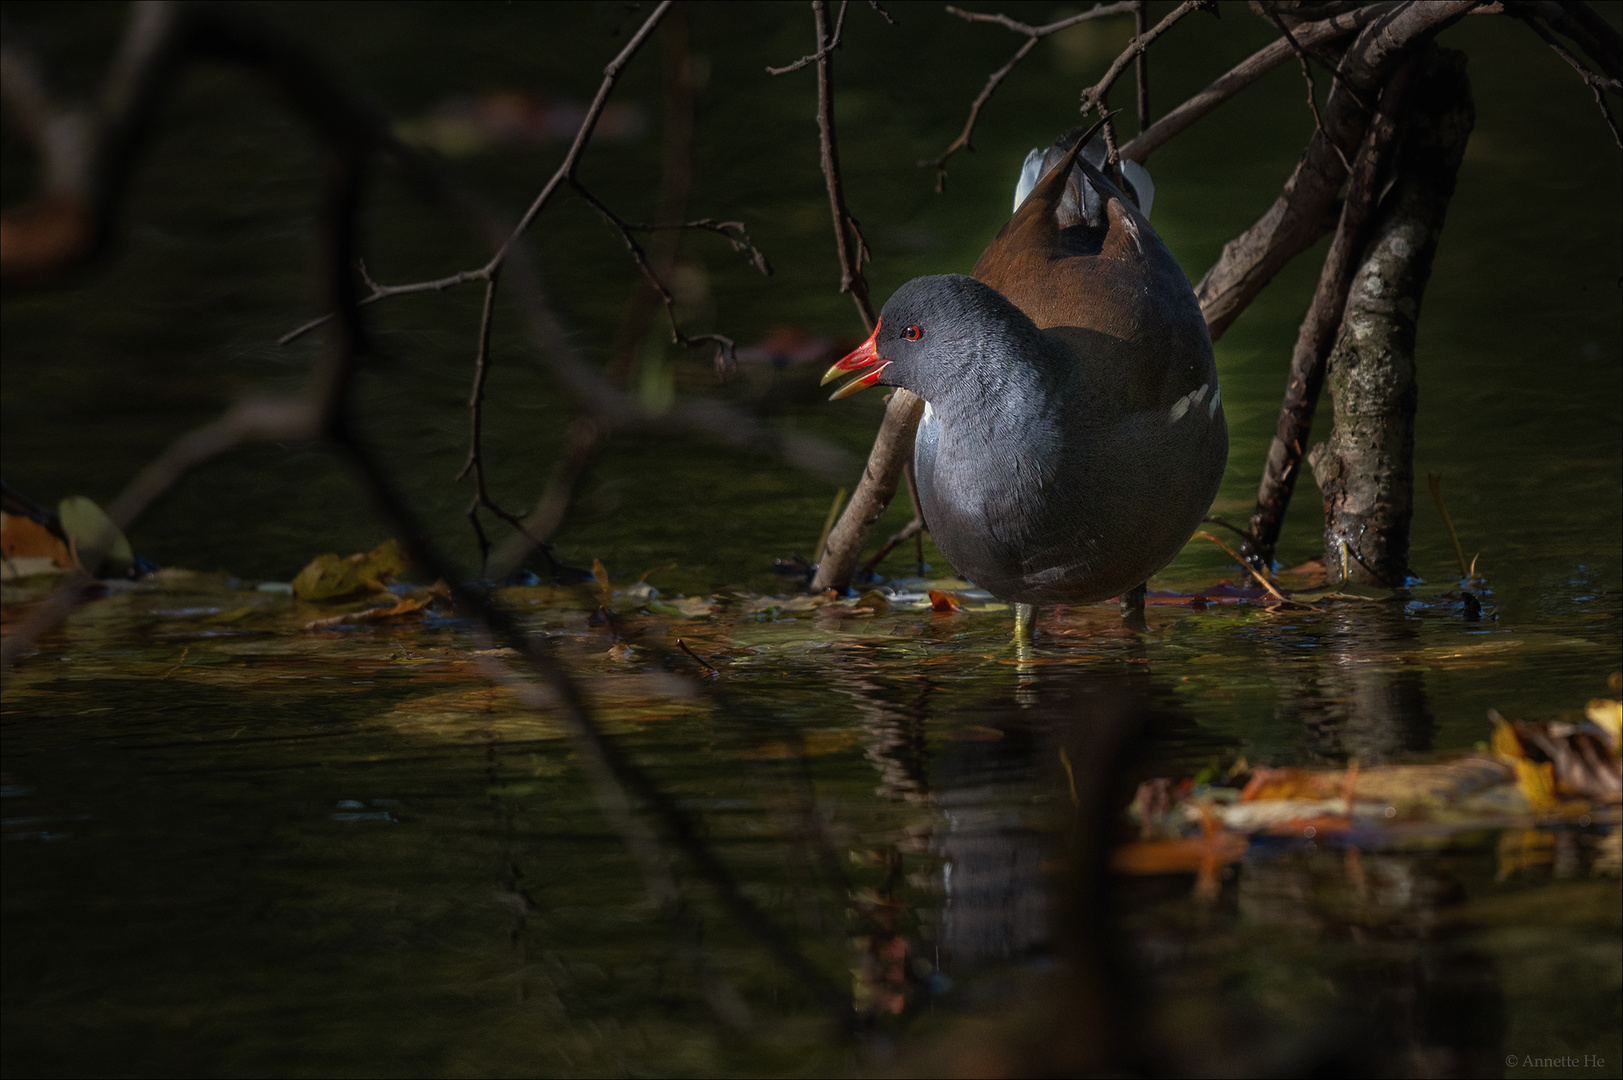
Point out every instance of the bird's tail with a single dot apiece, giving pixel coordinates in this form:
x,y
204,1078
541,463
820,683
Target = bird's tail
x,y
1083,203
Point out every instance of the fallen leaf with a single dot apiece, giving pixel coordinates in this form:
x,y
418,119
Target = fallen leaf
x,y
692,607
1266,783
1183,856
89,529
875,601
406,610
1607,714
1444,782
23,566
24,538
1289,817
944,602
331,577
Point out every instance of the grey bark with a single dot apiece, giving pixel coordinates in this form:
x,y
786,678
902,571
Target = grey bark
x,y
1366,467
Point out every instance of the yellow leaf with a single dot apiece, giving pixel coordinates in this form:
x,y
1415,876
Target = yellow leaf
x,y
1607,714
1537,782
1504,737
329,577
89,529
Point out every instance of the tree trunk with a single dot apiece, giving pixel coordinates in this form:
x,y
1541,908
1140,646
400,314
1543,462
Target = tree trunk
x,y
1366,468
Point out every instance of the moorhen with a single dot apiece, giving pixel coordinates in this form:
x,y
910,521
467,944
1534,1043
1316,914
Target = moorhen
x,y
1073,434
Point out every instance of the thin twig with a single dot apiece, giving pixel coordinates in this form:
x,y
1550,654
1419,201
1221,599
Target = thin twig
x,y
476,397
727,350
1247,72
852,255
1033,34
328,412
384,292
1094,96
701,661
734,232
1141,64
824,48
1436,483
571,162
1312,88
1594,80
1253,571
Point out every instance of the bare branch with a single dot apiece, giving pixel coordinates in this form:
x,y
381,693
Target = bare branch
x,y
1033,34
824,48
734,232
1095,96
566,171
1323,319
1301,213
727,350
619,783
892,449
1307,77
1596,82
845,226
384,292
1244,74
1141,64
1599,39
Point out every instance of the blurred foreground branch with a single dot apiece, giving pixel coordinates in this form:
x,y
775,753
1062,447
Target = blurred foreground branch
x,y
351,138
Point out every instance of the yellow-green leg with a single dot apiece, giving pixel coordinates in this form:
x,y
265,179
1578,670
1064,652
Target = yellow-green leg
x,y
1025,623
1132,608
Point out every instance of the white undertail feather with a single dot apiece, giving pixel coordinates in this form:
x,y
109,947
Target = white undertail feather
x,y
1030,173
1136,174
1139,177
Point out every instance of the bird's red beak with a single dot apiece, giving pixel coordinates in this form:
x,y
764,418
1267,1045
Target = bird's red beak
x,y
863,356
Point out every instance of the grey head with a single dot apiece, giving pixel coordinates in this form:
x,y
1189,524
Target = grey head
x,y
959,344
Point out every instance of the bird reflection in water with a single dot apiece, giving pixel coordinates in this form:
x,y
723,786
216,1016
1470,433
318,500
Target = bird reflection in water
x,y
997,906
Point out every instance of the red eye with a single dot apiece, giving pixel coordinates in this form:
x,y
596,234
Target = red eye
x,y
912,333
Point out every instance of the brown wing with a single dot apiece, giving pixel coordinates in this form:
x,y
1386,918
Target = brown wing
x,y
1113,293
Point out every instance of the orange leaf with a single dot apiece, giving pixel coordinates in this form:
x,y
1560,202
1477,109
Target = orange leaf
x,y
1266,783
944,602
406,610
1184,856
24,538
